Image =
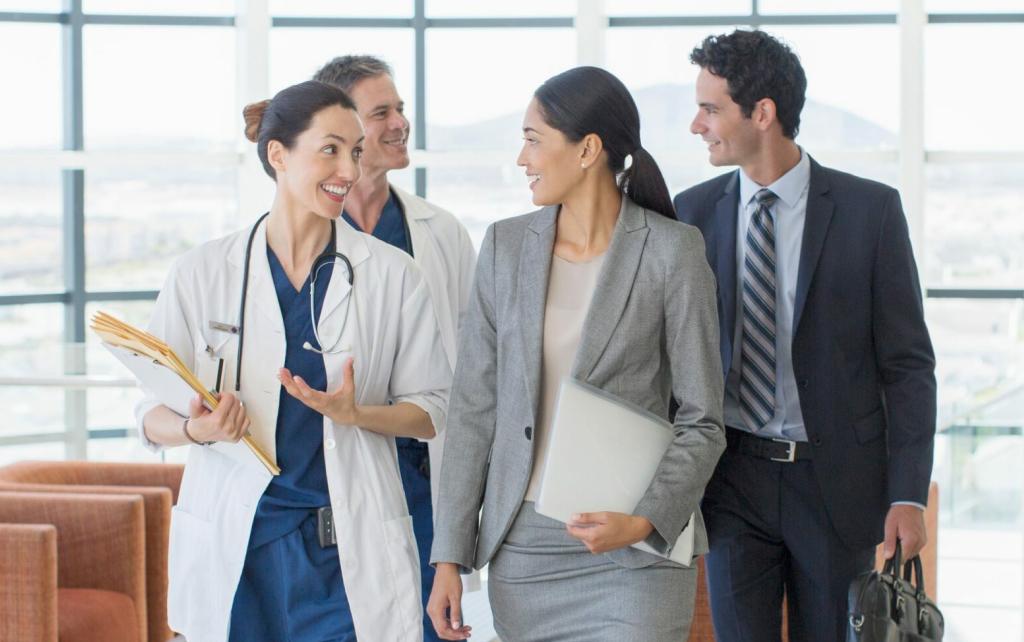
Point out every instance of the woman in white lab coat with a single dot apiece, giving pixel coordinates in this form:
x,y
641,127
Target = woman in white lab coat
x,y
251,557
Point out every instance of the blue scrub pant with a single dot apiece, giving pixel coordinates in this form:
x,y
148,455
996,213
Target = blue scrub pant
x,y
414,465
291,590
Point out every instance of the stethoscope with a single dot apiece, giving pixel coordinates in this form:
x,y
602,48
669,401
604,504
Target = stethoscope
x,y
326,258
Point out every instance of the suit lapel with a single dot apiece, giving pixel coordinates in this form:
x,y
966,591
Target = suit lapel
x,y
614,285
723,230
534,269
819,214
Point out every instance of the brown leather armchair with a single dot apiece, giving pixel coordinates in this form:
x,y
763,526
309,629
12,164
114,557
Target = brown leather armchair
x,y
702,631
72,567
158,485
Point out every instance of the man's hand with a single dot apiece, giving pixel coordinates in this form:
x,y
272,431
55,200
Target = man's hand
x,y
905,522
607,531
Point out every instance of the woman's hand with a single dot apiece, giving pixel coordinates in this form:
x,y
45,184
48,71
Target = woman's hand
x,y
228,422
607,531
338,406
445,604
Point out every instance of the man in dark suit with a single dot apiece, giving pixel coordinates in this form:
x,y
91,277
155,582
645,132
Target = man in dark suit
x,y
830,385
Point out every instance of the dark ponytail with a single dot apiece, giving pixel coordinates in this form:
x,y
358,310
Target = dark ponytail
x,y
590,100
645,185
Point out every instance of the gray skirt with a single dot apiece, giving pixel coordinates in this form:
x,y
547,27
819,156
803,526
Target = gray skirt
x,y
545,585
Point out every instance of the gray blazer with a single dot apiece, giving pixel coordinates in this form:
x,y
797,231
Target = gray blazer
x,y
651,333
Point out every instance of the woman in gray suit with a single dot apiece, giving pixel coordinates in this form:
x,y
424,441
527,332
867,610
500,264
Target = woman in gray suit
x,y
604,285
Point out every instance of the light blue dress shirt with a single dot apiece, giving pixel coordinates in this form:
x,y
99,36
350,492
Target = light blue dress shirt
x,y
789,213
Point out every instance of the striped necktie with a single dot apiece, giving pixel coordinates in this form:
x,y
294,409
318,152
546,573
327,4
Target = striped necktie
x,y
757,367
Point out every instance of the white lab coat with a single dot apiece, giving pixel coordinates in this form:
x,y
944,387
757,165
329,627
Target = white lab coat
x,y
399,357
445,255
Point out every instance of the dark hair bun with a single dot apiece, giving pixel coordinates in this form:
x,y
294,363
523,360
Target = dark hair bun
x,y
253,114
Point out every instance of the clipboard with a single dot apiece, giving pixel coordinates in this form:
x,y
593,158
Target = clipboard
x,y
602,455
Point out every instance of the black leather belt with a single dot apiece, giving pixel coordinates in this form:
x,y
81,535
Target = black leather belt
x,y
780,450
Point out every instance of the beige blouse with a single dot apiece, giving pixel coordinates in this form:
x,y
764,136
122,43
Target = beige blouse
x,y
570,289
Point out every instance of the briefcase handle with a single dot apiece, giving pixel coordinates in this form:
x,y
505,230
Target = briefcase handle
x,y
913,569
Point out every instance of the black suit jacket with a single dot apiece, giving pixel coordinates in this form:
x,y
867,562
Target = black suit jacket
x,y
862,357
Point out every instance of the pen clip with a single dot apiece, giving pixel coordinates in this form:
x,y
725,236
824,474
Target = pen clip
x,y
223,327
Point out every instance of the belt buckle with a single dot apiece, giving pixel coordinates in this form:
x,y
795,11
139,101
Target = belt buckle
x,y
790,454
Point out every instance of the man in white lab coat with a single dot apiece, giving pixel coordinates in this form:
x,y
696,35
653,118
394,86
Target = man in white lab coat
x,y
435,239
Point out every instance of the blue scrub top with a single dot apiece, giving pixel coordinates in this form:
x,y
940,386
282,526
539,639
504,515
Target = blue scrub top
x,y
302,485
391,226
291,588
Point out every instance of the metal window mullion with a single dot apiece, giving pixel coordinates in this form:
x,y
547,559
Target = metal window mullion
x,y
419,23
73,183
911,136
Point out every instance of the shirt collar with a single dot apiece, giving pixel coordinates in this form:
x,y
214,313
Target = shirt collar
x,y
789,187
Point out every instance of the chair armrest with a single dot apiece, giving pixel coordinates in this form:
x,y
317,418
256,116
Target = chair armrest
x,y
28,582
92,473
100,539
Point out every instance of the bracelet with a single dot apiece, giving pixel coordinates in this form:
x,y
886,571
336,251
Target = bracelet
x,y
184,429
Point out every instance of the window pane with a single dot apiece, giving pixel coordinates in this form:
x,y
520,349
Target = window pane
x,y
676,7
974,232
342,8
34,452
30,346
853,102
33,6
137,223
30,247
972,6
654,64
972,104
521,8
481,105
160,88
480,195
825,7
979,349
297,53
161,7
32,114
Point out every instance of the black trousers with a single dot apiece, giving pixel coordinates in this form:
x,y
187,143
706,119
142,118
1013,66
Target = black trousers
x,y
769,535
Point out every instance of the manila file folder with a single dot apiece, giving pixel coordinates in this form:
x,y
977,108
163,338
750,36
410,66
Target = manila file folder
x,y
602,456
159,369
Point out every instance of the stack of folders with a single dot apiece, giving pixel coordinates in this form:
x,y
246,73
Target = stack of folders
x,y
602,455
159,369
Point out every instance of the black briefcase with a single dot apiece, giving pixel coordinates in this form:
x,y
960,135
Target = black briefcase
x,y
885,607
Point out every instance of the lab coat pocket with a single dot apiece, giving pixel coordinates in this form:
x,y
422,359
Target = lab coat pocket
x,y
191,544
405,567
208,358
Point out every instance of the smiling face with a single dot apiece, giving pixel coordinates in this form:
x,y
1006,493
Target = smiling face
x,y
387,129
551,160
317,172
732,138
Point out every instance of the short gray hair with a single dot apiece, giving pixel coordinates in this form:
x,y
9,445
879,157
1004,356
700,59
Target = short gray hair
x,y
345,71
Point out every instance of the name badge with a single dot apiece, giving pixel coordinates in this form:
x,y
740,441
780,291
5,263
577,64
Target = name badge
x,y
223,327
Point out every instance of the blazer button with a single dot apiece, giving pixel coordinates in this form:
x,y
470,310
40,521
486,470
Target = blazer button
x,y
803,384
816,441
529,432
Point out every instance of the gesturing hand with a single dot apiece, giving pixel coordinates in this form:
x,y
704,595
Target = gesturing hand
x,y
338,406
608,531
